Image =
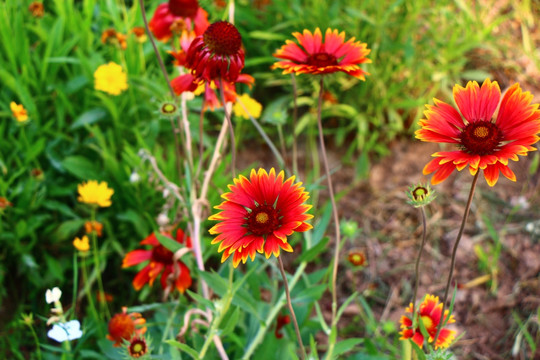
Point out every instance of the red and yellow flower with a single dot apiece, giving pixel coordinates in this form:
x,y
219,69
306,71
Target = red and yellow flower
x,y
137,347
258,215
316,56
113,37
484,141
125,326
429,312
160,262
175,16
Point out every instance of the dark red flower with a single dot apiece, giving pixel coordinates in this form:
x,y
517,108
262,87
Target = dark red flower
x,y
177,15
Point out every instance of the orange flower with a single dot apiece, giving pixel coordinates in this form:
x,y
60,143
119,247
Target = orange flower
x,y
318,57
18,111
483,142
36,9
96,226
104,297
429,312
140,34
258,214
111,36
175,16
125,326
4,203
161,260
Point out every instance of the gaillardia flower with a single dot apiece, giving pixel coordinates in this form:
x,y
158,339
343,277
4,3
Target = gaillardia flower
x,y
217,53
429,312
160,260
93,193
484,142
137,347
318,57
36,9
420,195
175,16
258,214
125,326
110,78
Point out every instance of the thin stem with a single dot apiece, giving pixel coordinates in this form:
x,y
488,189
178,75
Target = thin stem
x,y
171,90
333,201
88,292
228,117
104,309
454,251
201,144
36,340
168,326
417,265
291,310
294,119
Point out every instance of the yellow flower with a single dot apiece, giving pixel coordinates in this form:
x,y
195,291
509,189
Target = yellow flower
x,y
18,111
110,78
81,244
95,194
245,102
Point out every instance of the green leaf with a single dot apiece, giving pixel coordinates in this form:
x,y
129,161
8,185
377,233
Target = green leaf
x,y
218,284
184,347
419,352
89,117
310,294
169,243
82,168
230,322
346,345
200,299
313,252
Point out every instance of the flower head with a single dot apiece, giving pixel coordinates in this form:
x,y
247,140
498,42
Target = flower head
x,y
4,203
110,78
322,57
36,9
217,53
81,244
168,109
125,326
245,106
113,37
175,16
258,214
91,226
484,142
53,295
429,312
137,347
93,193
161,261
19,112
281,321
357,258
140,34
61,332
420,195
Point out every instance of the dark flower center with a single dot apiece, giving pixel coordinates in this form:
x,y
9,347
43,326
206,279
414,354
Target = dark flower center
x,y
162,255
321,59
137,347
419,193
184,8
168,108
481,138
263,220
222,38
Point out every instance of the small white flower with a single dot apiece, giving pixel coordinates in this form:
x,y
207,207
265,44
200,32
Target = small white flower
x,y
65,331
529,227
134,177
162,219
166,193
53,295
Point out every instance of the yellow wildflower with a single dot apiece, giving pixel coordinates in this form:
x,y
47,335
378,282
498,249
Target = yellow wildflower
x,y
245,102
95,194
81,244
110,78
18,111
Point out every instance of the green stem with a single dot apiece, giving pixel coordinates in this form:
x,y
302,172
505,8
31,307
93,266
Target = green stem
x,y
36,340
86,289
294,120
417,265
231,129
272,314
291,310
454,251
168,326
104,309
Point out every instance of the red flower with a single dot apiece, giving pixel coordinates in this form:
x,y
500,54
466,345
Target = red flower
x,y
161,260
282,320
429,312
217,53
258,214
318,57
124,326
357,257
178,15
483,142
137,347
